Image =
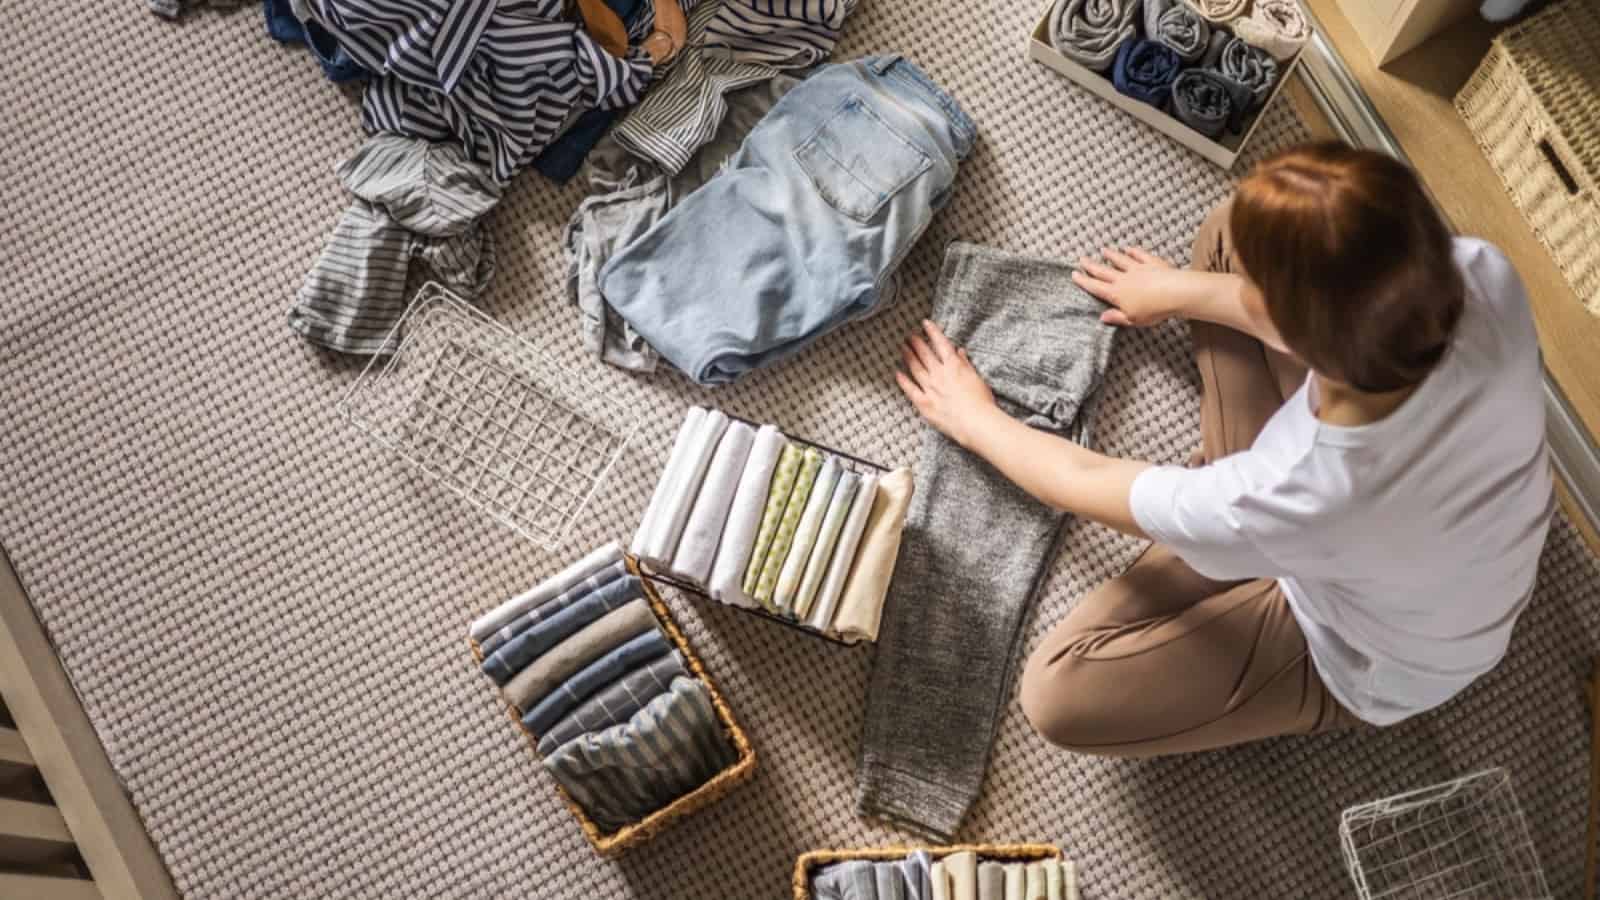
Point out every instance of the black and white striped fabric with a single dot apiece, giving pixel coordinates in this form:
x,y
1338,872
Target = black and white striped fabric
x,y
499,77
783,33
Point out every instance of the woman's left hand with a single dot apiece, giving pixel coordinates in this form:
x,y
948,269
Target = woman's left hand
x,y
943,385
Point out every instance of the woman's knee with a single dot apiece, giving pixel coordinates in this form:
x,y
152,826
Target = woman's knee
x,y
1059,701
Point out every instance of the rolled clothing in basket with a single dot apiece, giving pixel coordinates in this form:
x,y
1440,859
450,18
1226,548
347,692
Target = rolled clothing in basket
x,y
805,536
766,581
503,665
616,702
744,518
844,553
502,615
958,872
667,749
1219,12
1145,70
1175,24
595,677
1089,32
991,881
849,167
1249,72
697,549
663,525
1276,26
492,644
861,605
786,473
839,505
1203,100
593,641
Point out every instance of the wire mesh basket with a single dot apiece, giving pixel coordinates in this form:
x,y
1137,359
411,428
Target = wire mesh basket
x,y
490,416
1461,839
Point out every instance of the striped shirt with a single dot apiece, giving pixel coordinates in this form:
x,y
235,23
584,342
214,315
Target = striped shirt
x,y
617,703
624,773
499,77
784,33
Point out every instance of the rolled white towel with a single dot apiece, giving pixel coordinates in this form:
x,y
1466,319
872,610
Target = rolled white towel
x,y
698,546
744,519
675,461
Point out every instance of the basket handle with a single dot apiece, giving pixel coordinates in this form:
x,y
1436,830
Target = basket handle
x,y
1562,171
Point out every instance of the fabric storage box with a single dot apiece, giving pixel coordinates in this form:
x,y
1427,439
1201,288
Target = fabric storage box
x,y
816,859
1223,153
614,843
1534,106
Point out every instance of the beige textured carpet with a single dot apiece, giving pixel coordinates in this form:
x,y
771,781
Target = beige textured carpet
x,y
264,615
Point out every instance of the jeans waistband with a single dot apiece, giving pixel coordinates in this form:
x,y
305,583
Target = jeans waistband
x,y
905,71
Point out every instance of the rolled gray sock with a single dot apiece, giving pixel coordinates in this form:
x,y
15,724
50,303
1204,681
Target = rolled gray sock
x,y
1203,100
1089,32
1178,26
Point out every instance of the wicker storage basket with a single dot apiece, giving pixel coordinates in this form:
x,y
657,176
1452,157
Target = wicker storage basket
x,y
1534,106
744,766
1001,852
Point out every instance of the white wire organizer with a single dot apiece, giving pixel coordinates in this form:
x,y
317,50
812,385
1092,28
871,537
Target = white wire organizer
x,y
490,416
1462,839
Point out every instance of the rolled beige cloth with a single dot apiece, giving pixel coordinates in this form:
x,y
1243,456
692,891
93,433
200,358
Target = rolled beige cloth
x,y
861,606
963,871
1219,12
1276,26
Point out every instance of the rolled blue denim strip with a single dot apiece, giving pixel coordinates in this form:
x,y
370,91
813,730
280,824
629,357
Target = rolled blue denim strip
x,y
1145,70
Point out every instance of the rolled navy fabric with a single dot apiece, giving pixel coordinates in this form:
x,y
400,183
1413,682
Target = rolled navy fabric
x,y
1176,25
1276,26
1250,72
1145,70
1089,32
1202,100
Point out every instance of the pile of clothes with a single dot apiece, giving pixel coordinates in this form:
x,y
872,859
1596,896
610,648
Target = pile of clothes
x,y
1211,64
758,520
958,876
622,724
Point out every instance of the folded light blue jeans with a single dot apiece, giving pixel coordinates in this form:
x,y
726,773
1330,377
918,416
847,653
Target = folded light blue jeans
x,y
803,229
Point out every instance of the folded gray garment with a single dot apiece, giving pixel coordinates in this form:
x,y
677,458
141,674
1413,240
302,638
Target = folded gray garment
x,y
1203,100
1089,32
1178,26
1250,72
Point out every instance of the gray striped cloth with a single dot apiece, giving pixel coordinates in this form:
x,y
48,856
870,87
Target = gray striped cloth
x,y
616,703
414,200
549,608
777,32
681,112
624,773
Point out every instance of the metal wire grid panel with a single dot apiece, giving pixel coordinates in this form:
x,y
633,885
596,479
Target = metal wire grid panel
x,y
490,416
1461,839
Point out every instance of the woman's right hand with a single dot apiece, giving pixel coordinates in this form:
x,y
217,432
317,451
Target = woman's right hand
x,y
1142,289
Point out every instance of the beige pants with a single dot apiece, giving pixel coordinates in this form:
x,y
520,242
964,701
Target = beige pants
x,y
1162,659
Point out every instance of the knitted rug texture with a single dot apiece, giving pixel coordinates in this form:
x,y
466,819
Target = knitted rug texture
x,y
265,614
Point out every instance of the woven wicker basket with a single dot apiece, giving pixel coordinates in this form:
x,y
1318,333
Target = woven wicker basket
x,y
1534,106
997,852
744,766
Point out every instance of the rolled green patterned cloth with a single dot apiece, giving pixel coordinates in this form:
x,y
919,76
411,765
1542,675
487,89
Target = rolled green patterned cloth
x,y
1203,100
1219,12
1089,32
772,566
1174,24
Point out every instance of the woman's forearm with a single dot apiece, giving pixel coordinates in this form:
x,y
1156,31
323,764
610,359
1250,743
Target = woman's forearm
x,y
1228,300
1056,471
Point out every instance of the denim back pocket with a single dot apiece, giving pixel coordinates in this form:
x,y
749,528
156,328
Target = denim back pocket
x,y
857,161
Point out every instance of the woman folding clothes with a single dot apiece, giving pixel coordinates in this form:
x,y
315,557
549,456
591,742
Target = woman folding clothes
x,y
622,724
1362,524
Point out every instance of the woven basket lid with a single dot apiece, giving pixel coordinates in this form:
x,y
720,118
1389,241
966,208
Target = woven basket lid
x,y
1558,52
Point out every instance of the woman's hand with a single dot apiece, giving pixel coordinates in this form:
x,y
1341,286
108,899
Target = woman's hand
x,y
1142,289
944,387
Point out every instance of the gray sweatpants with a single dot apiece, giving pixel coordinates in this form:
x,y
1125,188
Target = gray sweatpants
x,y
976,546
